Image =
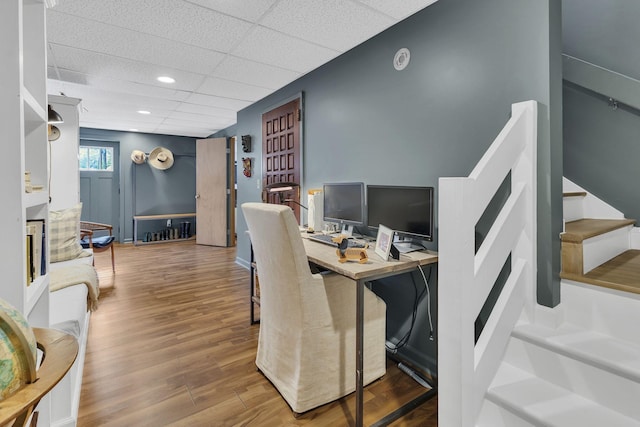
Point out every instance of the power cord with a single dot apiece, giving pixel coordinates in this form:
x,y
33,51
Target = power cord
x,y
393,348
426,285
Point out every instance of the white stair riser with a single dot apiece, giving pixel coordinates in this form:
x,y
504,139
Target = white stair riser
x,y
634,238
592,207
600,249
572,208
610,390
492,415
602,310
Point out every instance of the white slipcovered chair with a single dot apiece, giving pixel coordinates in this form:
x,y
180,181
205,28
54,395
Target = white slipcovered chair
x,y
306,345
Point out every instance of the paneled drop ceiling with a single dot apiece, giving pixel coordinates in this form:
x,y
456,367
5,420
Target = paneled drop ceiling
x,y
223,54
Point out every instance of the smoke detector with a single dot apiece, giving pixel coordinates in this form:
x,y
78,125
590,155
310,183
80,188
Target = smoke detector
x,y
401,59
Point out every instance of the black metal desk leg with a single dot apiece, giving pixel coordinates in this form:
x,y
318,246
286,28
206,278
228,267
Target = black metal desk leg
x,y
359,351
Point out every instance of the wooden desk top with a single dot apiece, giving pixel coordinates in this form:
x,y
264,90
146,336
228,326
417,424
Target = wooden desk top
x,y
325,256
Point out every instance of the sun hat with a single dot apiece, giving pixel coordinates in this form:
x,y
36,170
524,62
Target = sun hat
x,y
138,157
161,158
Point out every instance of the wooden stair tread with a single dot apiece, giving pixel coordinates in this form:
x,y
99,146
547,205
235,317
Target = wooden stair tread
x,y
621,273
575,194
582,229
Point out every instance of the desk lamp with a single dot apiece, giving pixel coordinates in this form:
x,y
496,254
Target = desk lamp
x,y
279,188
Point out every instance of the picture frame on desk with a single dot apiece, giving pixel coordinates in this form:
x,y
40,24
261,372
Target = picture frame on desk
x,y
384,241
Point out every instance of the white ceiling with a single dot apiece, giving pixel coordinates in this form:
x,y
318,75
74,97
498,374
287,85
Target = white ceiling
x,y
223,54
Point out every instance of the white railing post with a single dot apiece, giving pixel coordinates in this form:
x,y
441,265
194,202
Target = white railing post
x,y
525,172
466,278
456,249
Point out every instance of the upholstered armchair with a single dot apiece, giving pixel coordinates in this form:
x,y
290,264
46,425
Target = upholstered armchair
x,y
306,344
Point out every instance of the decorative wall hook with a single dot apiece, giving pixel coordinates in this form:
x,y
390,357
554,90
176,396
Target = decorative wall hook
x,y
246,143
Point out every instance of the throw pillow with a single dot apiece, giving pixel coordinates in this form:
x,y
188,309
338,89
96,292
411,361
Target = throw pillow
x,y
64,242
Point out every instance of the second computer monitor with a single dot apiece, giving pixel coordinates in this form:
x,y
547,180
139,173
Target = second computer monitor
x,y
343,203
408,210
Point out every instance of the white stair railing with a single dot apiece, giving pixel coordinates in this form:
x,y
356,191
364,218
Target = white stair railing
x,y
466,276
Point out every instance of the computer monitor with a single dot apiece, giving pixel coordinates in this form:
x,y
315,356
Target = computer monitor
x,y
407,210
343,203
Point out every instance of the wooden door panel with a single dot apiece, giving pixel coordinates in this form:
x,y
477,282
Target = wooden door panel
x,y
281,153
211,191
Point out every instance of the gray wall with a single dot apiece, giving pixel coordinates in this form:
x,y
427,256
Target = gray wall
x,y
601,149
603,32
157,192
364,121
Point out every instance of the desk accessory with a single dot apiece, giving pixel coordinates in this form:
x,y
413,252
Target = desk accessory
x,y
384,242
345,253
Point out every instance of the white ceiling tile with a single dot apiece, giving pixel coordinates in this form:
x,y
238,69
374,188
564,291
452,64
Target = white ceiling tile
x,y
175,20
336,24
243,70
185,131
274,48
119,42
233,90
197,120
106,66
73,82
251,10
221,52
187,107
216,101
98,114
186,124
398,9
93,99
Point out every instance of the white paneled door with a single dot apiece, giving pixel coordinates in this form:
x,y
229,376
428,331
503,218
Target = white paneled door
x,y
213,198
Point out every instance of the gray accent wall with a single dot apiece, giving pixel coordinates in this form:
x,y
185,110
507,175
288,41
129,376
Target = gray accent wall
x,y
156,191
365,121
601,149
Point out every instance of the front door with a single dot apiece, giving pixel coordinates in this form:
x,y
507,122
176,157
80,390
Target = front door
x,y
281,151
213,194
100,182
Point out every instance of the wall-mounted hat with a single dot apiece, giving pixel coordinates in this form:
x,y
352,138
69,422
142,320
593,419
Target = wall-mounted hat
x,y
138,157
161,158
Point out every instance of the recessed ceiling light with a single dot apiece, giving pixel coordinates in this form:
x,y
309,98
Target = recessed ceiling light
x,y
166,79
133,130
144,112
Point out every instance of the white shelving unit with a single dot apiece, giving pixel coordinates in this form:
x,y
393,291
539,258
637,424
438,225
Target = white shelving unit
x,y
23,108
23,105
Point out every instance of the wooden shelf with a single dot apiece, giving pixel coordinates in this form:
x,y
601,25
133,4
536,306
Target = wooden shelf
x,y
60,352
35,290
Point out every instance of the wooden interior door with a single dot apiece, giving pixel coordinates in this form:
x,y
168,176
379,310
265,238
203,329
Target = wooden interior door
x,y
212,192
281,151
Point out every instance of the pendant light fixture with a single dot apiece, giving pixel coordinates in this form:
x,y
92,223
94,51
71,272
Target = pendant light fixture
x,y
54,117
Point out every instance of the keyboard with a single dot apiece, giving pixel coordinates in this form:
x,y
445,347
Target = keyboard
x,y
326,239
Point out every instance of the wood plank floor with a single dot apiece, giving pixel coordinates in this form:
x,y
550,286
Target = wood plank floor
x,y
171,345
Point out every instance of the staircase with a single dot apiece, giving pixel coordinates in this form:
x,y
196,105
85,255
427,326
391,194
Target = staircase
x,y
578,364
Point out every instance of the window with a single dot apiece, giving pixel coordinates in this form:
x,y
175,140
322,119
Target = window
x,y
96,158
